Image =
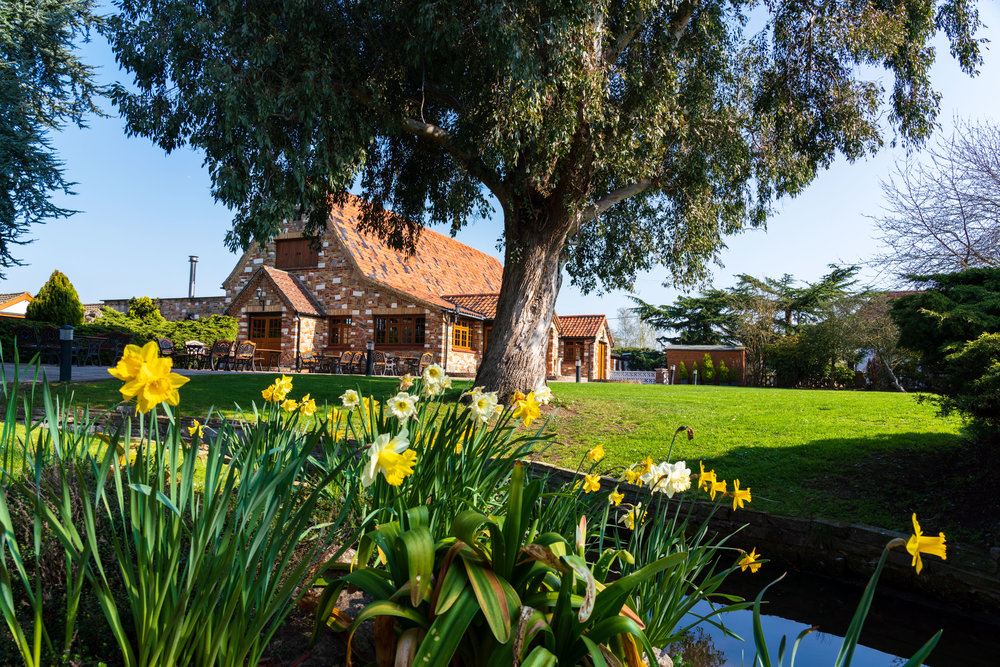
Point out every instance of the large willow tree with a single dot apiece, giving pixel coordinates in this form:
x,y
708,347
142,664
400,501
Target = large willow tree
x,y
613,136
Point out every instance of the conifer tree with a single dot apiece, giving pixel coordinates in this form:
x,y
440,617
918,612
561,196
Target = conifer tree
x,y
57,302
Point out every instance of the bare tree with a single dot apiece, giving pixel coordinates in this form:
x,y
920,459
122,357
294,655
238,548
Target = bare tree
x,y
943,214
633,331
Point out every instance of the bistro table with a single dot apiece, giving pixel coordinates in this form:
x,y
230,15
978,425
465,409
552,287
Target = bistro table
x,y
408,364
268,359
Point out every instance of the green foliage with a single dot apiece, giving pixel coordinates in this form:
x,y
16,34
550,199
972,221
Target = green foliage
x,y
682,372
144,308
56,302
700,320
723,373
972,387
707,369
43,85
954,309
207,329
208,553
459,597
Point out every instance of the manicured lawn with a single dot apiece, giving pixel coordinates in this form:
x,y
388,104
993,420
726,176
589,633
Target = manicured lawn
x,y
855,456
869,457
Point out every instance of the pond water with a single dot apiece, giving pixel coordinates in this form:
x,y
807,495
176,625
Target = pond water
x,y
896,627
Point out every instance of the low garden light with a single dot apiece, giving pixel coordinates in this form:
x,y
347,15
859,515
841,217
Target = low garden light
x,y
370,357
65,353
673,378
577,370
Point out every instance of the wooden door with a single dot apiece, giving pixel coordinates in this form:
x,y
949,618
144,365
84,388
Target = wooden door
x,y
265,330
602,361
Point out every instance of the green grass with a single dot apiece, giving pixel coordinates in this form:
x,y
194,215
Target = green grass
x,y
867,457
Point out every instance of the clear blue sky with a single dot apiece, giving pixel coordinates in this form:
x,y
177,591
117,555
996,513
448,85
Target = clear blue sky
x,y
141,213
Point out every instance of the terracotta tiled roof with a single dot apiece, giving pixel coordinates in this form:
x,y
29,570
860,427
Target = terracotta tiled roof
x,y
441,265
582,326
484,305
291,289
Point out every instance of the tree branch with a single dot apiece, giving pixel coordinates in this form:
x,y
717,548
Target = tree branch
x,y
612,198
476,168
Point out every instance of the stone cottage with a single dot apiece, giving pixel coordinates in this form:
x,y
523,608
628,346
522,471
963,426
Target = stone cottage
x,y
293,296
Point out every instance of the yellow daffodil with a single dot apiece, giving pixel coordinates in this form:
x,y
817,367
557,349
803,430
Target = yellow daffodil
x,y
591,483
645,465
518,397
289,405
268,393
632,476
616,498
147,377
196,428
369,404
739,495
391,457
717,487
308,406
596,454
528,410
282,387
633,517
705,478
921,544
750,560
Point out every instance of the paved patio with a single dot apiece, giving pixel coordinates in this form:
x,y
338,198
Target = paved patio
x,y
89,373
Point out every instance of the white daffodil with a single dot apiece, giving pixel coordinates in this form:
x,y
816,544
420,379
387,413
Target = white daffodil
x,y
474,393
406,382
391,457
542,393
350,399
484,406
433,374
668,478
402,406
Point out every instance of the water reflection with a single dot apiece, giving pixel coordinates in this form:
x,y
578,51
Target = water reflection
x,y
897,626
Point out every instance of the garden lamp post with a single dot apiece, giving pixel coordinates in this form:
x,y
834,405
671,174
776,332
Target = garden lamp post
x,y
65,353
694,376
673,368
370,357
577,370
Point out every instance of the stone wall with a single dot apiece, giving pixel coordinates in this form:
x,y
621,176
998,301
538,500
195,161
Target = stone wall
x,y
970,577
177,309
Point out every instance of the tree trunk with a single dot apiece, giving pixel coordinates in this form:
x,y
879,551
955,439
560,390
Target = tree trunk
x,y
514,359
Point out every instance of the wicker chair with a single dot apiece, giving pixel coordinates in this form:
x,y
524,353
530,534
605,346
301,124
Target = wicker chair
x,y
244,357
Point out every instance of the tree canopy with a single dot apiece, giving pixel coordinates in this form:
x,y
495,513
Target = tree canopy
x,y
56,302
613,136
43,85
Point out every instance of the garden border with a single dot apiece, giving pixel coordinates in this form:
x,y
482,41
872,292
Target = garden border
x,y
968,579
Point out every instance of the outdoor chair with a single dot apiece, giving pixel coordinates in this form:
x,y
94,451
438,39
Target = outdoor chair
x,y
219,354
244,357
344,364
166,347
358,362
115,345
26,340
378,362
309,361
48,344
88,350
391,365
426,359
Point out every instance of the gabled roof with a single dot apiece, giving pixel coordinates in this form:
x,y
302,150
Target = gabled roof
x,y
289,287
441,265
582,326
485,306
11,298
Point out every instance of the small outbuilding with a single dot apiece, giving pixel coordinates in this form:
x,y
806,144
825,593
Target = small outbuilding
x,y
14,304
693,357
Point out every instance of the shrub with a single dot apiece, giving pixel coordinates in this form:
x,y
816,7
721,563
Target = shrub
x,y
56,303
642,358
682,372
973,385
723,373
708,369
145,309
